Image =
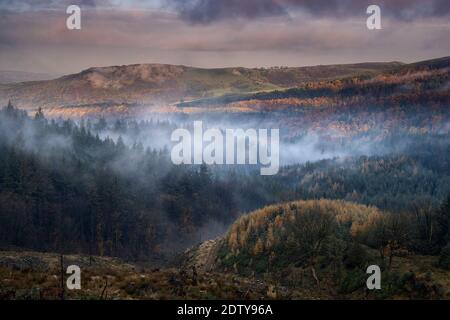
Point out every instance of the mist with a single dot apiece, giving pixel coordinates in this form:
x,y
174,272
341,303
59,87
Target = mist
x,y
118,174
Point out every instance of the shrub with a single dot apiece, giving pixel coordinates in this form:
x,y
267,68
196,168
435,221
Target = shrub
x,y
356,256
354,280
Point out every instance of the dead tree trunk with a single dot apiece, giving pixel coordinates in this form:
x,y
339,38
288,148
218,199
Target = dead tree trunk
x,y
104,294
313,271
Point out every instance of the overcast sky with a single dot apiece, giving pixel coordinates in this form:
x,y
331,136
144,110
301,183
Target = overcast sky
x,y
218,33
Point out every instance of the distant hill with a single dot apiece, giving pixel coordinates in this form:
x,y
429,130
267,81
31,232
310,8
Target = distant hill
x,y
156,84
430,77
21,76
165,88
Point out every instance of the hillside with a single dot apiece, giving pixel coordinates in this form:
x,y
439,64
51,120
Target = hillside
x,y
426,81
277,236
262,256
322,248
36,276
317,249
412,98
156,85
29,275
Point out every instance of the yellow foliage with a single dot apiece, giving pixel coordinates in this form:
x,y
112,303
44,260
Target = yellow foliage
x,y
268,223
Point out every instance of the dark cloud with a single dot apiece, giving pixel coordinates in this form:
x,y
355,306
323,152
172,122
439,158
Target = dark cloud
x,y
208,11
38,39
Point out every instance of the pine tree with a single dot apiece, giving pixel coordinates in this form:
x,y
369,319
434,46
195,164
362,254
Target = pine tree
x,y
39,115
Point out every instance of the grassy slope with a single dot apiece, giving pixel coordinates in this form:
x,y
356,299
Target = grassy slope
x,y
149,83
289,79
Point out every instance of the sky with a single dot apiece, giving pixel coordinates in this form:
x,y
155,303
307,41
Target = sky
x,y
218,33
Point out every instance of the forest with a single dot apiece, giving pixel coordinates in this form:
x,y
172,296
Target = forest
x,y
72,187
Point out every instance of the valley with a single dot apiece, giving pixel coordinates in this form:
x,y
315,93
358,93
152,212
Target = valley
x,y
364,178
